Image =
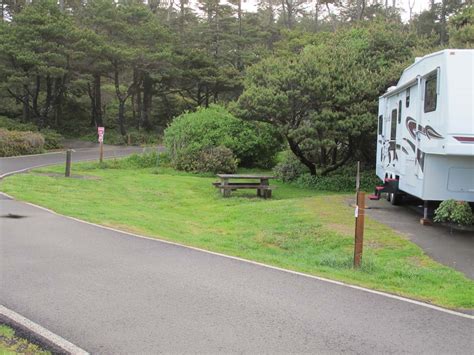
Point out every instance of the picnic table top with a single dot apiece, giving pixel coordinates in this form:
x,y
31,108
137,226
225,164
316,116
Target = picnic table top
x,y
244,176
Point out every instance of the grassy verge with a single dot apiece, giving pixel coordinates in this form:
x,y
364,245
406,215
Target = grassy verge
x,y
298,229
11,344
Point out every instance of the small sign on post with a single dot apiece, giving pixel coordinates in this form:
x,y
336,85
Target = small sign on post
x,y
100,132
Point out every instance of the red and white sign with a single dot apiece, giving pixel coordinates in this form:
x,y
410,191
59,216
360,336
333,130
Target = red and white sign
x,y
101,131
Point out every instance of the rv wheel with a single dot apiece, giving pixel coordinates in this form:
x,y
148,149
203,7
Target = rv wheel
x,y
395,198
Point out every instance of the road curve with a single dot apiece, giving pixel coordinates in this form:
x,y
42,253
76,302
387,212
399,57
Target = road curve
x,y
13,164
113,293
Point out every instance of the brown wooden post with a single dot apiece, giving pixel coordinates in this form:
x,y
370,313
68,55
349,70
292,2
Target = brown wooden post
x,y
359,229
68,162
129,139
101,153
225,183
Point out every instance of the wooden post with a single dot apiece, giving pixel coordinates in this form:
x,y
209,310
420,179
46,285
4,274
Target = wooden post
x,y
101,154
129,139
68,162
359,229
226,191
358,177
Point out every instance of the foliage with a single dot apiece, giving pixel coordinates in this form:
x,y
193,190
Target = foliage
x,y
457,212
324,99
206,160
20,143
15,125
298,228
289,168
52,139
461,29
134,161
10,343
114,137
252,144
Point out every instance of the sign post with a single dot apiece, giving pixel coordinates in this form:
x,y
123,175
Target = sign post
x,y
359,221
101,131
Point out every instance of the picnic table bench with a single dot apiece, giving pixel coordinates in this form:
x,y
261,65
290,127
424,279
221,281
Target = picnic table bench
x,y
262,186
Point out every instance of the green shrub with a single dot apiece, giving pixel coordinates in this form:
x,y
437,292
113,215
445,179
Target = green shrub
x,y
289,168
207,160
20,143
254,144
14,125
457,212
52,139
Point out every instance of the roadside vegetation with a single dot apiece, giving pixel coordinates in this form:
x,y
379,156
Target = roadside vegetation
x,y
301,229
18,138
11,344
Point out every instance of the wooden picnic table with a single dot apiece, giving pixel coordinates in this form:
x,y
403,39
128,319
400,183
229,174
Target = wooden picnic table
x,y
262,186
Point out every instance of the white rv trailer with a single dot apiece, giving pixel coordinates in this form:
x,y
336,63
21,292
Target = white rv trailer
x,y
425,138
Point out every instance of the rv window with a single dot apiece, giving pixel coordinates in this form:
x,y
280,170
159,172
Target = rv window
x,y
399,111
380,124
393,131
430,93
407,100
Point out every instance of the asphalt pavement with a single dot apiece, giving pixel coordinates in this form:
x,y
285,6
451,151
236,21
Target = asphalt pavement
x,y
13,164
451,247
112,293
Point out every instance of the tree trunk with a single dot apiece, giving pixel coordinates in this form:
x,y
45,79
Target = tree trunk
x,y
300,155
121,117
443,28
26,104
98,101
147,101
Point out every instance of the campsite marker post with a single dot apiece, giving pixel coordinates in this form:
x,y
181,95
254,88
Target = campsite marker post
x,y
100,131
68,162
359,221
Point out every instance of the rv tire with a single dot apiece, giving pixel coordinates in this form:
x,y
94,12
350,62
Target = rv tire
x,y
395,198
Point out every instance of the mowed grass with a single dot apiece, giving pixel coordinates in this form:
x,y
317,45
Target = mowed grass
x,y
10,344
298,229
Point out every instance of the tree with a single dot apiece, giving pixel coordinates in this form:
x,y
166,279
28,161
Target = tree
x,y
37,50
324,99
461,29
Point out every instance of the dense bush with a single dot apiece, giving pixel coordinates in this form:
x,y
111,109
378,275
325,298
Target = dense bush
x,y
290,169
207,160
20,143
457,212
253,144
52,139
13,125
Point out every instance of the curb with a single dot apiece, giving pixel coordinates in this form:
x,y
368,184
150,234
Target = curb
x,y
34,331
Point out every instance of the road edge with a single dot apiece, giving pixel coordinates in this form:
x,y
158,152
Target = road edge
x,y
39,333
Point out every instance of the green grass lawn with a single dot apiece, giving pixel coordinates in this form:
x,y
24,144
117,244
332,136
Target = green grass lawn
x,y
298,229
11,344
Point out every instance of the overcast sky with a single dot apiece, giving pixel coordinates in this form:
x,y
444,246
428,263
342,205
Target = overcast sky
x,y
420,5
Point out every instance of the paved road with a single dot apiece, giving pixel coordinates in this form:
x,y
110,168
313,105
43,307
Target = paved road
x,y
8,165
452,248
112,293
